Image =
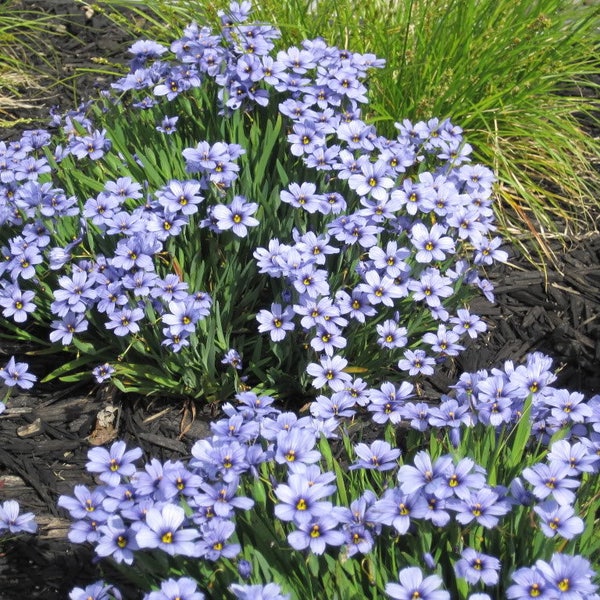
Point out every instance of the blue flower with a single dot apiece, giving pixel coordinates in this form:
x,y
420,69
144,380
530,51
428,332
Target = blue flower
x,y
213,544
16,374
416,362
116,540
270,591
552,479
373,180
124,321
236,216
113,464
395,508
13,522
317,534
569,577
329,371
431,244
483,506
296,445
276,322
431,287
162,530
17,304
475,566
301,501
168,125
558,520
380,289
414,585
529,583
183,588
95,591
302,196
460,480
221,498
180,196
87,504
379,456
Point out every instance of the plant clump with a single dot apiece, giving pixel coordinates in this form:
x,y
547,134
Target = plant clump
x,y
129,226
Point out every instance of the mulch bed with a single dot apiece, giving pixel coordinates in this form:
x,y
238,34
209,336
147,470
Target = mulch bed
x,y
46,435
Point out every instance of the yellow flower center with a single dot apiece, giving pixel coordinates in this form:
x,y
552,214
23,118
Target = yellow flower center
x,y
534,590
564,585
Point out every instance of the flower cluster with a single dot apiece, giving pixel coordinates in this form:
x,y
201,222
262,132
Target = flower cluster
x,y
207,508
389,235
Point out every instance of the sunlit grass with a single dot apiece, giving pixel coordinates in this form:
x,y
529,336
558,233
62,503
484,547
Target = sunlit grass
x,y
27,61
510,73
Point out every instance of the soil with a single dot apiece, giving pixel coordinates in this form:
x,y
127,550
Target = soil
x,y
46,435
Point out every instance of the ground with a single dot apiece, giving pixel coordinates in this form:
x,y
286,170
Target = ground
x,y
46,435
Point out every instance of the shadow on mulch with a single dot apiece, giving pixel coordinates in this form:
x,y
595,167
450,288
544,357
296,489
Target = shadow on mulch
x,y
46,436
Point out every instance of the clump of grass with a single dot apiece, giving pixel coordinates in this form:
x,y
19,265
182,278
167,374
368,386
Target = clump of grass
x,y
23,38
510,73
10,101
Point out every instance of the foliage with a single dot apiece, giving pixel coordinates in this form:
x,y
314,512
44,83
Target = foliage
x,y
514,74
129,230
493,491
22,36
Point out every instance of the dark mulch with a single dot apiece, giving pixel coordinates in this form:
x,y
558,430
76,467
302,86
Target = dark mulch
x,y
45,436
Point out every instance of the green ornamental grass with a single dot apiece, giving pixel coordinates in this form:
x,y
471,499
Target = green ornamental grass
x,y
23,35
